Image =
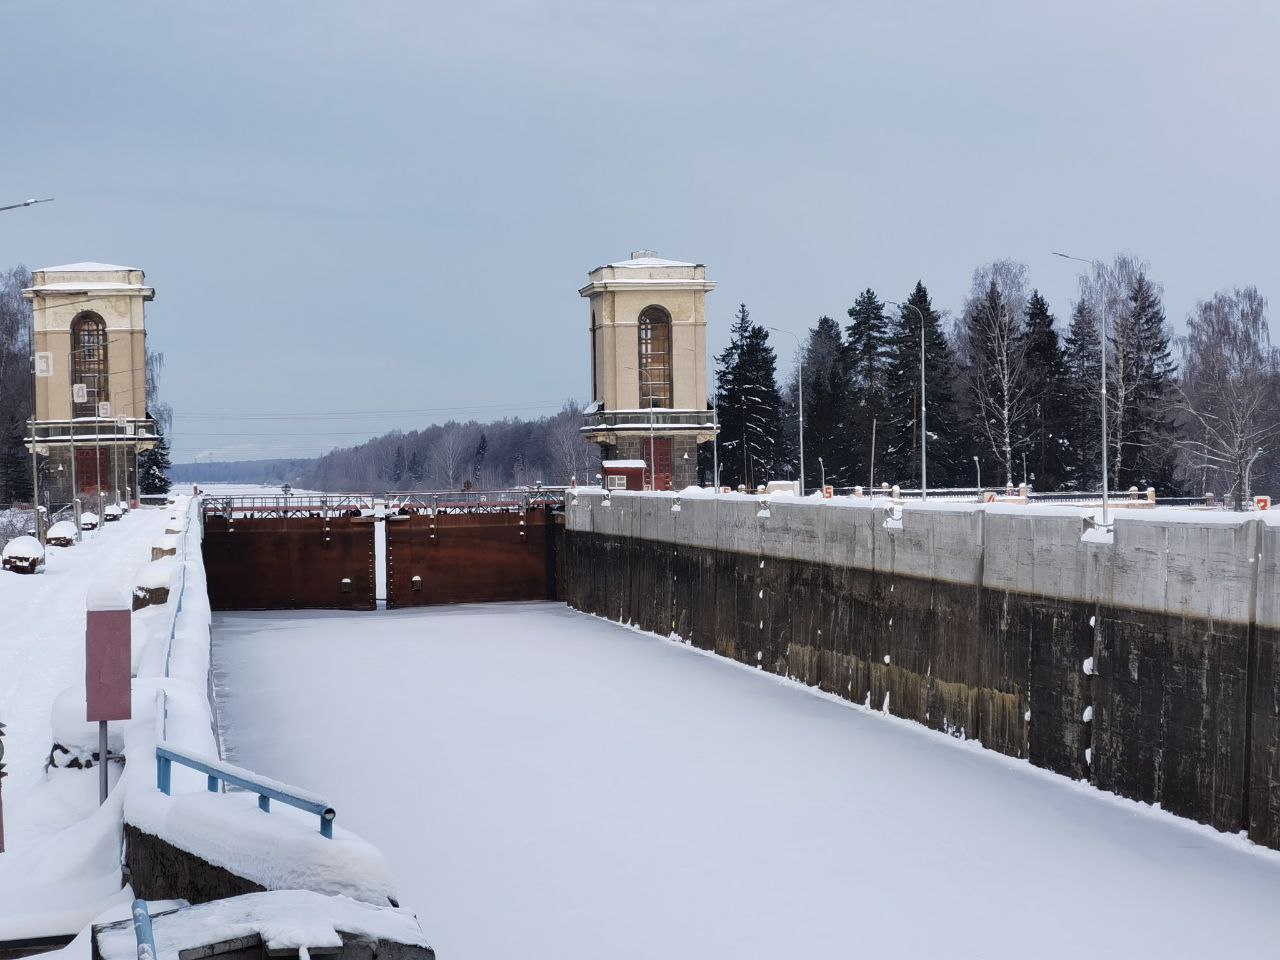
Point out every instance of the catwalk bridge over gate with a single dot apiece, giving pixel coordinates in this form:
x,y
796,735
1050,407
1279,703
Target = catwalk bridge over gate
x,y
409,549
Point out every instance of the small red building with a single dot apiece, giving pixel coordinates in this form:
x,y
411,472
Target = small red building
x,y
624,474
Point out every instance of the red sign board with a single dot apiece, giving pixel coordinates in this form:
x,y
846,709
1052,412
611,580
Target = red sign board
x,y
106,665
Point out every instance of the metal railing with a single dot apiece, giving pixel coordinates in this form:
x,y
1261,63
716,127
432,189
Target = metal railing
x,y
142,931
281,505
267,790
431,502
641,419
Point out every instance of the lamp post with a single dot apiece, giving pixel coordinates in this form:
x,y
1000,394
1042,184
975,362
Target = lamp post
x,y
800,387
35,462
823,467
977,466
924,425
1102,338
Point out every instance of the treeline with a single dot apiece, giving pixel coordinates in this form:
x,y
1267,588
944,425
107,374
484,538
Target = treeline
x,y
1012,391
272,472
503,453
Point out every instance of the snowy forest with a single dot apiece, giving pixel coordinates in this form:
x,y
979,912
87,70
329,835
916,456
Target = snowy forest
x,y
1012,390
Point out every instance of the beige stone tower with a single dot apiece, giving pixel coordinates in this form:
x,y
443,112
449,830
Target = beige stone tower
x,y
90,330
649,365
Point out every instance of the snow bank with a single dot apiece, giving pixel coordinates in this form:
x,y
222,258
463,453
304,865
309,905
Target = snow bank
x,y
23,548
285,920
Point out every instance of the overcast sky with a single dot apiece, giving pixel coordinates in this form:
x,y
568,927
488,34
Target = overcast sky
x,y
389,206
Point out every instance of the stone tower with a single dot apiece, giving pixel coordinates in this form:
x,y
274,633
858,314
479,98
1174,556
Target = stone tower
x,y
91,356
649,365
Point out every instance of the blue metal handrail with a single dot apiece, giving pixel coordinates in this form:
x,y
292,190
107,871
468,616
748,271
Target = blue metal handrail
x,y
142,930
267,790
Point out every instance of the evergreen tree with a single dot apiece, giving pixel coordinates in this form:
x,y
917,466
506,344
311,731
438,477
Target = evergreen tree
x,y
1143,446
1049,420
477,461
898,442
1082,355
748,403
153,467
866,362
15,464
414,470
826,399
396,473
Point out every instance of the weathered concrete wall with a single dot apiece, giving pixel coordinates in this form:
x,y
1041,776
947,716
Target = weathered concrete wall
x,y
160,871
979,622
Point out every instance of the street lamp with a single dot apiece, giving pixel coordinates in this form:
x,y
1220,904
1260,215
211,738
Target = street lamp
x,y
800,386
977,466
25,203
823,467
1102,337
924,431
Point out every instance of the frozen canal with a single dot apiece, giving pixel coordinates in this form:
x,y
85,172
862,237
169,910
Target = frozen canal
x,y
546,784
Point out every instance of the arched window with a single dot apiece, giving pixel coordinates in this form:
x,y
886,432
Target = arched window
x,y
89,361
655,357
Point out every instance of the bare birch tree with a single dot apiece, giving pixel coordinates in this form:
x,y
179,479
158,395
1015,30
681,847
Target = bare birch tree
x,y
992,345
1227,392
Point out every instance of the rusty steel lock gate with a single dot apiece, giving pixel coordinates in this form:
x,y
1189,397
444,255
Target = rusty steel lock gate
x,y
290,553
474,549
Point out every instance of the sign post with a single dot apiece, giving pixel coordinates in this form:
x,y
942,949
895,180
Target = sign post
x,y
106,667
2,775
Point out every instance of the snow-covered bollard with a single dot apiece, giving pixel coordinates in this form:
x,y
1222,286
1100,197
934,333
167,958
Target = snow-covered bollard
x,y
23,555
153,583
166,546
61,534
88,520
111,513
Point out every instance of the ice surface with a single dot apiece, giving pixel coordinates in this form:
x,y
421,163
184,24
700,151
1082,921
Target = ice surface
x,y
544,782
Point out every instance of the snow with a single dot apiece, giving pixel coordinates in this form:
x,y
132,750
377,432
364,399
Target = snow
x,y
100,285
63,528
107,596
547,782
622,464
651,262
156,574
87,266
285,919
23,548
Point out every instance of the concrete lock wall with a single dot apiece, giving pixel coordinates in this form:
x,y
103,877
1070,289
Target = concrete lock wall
x,y
980,622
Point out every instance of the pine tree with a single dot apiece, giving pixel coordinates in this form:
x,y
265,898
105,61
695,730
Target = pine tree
x,y
1082,354
898,456
396,474
153,467
826,400
15,465
748,404
1143,447
414,470
1049,423
477,460
866,362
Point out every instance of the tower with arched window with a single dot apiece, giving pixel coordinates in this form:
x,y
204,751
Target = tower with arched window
x,y
649,365
89,326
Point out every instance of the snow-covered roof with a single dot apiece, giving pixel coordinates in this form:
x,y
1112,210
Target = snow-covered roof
x,y
651,261
85,267
622,464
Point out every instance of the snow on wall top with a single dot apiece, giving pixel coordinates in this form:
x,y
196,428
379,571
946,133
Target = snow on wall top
x,y
622,464
102,596
285,919
87,266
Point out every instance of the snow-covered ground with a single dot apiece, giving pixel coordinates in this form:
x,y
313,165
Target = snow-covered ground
x,y
42,652
546,784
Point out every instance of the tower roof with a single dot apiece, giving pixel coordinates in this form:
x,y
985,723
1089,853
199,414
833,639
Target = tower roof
x,y
647,258
85,267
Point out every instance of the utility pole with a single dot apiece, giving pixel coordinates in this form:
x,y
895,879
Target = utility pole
x,y
871,482
1102,337
924,426
800,387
